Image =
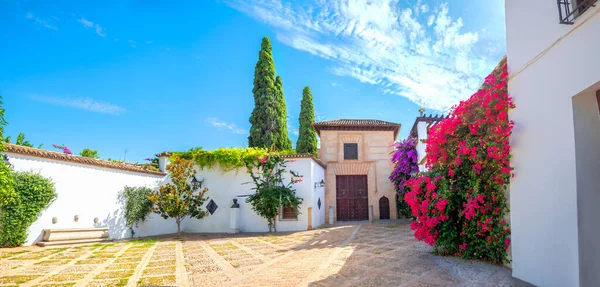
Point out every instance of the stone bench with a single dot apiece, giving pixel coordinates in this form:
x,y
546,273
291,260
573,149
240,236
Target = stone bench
x,y
51,237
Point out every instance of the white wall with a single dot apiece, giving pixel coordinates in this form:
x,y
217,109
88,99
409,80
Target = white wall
x,y
225,186
421,135
318,214
543,198
89,192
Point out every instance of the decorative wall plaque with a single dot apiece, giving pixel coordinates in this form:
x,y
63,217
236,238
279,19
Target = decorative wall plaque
x,y
211,207
319,203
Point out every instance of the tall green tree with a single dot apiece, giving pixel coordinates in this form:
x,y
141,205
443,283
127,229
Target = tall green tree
x,y
307,137
269,117
283,140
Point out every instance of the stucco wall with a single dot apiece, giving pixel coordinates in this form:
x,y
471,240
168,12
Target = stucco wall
x,y
421,145
543,199
374,149
225,186
90,191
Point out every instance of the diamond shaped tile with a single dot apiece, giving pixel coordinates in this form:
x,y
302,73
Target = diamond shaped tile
x,y
212,207
319,203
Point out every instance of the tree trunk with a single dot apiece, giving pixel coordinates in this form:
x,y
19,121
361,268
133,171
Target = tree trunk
x,y
178,226
275,224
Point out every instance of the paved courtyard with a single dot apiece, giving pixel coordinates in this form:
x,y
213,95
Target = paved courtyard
x,y
358,254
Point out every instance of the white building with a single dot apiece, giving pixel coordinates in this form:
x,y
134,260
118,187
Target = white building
x,y
554,70
420,131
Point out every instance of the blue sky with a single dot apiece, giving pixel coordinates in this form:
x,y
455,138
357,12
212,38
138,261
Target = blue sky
x,y
149,76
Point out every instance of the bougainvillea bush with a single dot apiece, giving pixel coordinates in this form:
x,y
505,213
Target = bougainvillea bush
x,y
272,190
405,161
460,203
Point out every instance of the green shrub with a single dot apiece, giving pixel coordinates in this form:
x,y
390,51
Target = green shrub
x,y
34,193
137,205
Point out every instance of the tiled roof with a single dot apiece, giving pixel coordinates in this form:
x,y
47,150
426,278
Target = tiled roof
x,y
425,118
357,124
11,148
163,154
305,155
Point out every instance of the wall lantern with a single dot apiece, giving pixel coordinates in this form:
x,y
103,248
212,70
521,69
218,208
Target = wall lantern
x,y
195,180
320,184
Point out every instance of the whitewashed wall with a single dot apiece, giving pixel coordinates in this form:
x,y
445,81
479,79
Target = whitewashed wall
x,y
547,247
225,186
421,137
89,192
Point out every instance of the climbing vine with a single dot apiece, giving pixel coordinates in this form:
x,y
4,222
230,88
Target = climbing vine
x,y
228,158
136,206
405,162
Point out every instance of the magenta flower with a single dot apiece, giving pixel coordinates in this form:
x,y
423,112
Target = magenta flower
x,y
64,148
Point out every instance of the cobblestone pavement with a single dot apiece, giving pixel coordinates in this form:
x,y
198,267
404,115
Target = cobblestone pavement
x,y
356,254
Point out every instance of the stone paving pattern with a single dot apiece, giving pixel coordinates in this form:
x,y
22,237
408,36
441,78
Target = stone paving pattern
x,y
358,254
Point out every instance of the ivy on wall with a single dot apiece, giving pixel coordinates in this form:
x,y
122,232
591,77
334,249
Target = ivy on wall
x,y
34,193
137,205
227,158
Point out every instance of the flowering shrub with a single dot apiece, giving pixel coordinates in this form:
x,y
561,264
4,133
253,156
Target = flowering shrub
x,y
460,205
405,161
271,191
64,148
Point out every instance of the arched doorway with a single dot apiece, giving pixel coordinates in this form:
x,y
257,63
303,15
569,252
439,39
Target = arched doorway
x,y
384,208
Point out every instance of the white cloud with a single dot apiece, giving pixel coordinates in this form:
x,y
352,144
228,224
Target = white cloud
x,y
149,42
87,104
225,125
42,22
319,117
415,51
132,43
85,23
100,31
89,24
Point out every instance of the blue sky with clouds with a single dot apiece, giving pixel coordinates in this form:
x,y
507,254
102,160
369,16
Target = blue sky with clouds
x,y
148,76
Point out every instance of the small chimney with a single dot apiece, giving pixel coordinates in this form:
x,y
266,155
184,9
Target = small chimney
x,y
422,111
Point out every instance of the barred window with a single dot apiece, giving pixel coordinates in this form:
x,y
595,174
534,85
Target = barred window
x,y
288,213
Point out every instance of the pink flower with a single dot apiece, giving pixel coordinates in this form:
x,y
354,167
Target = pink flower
x,y
463,246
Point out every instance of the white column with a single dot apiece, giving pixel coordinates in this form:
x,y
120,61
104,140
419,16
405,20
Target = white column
x,y
234,217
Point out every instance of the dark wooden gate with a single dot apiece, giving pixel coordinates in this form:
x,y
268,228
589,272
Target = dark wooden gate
x,y
384,208
352,198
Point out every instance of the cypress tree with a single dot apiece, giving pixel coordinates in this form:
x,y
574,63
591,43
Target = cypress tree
x,y
283,140
307,138
268,119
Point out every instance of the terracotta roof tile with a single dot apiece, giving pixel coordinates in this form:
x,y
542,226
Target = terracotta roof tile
x,y
357,124
11,148
305,155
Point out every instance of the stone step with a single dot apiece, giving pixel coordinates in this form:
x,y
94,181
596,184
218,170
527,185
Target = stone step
x,y
69,242
65,234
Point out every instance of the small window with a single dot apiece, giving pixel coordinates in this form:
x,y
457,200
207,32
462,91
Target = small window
x,y
350,151
288,213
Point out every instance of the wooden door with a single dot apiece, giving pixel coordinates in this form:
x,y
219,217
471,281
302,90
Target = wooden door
x,y
384,208
352,199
